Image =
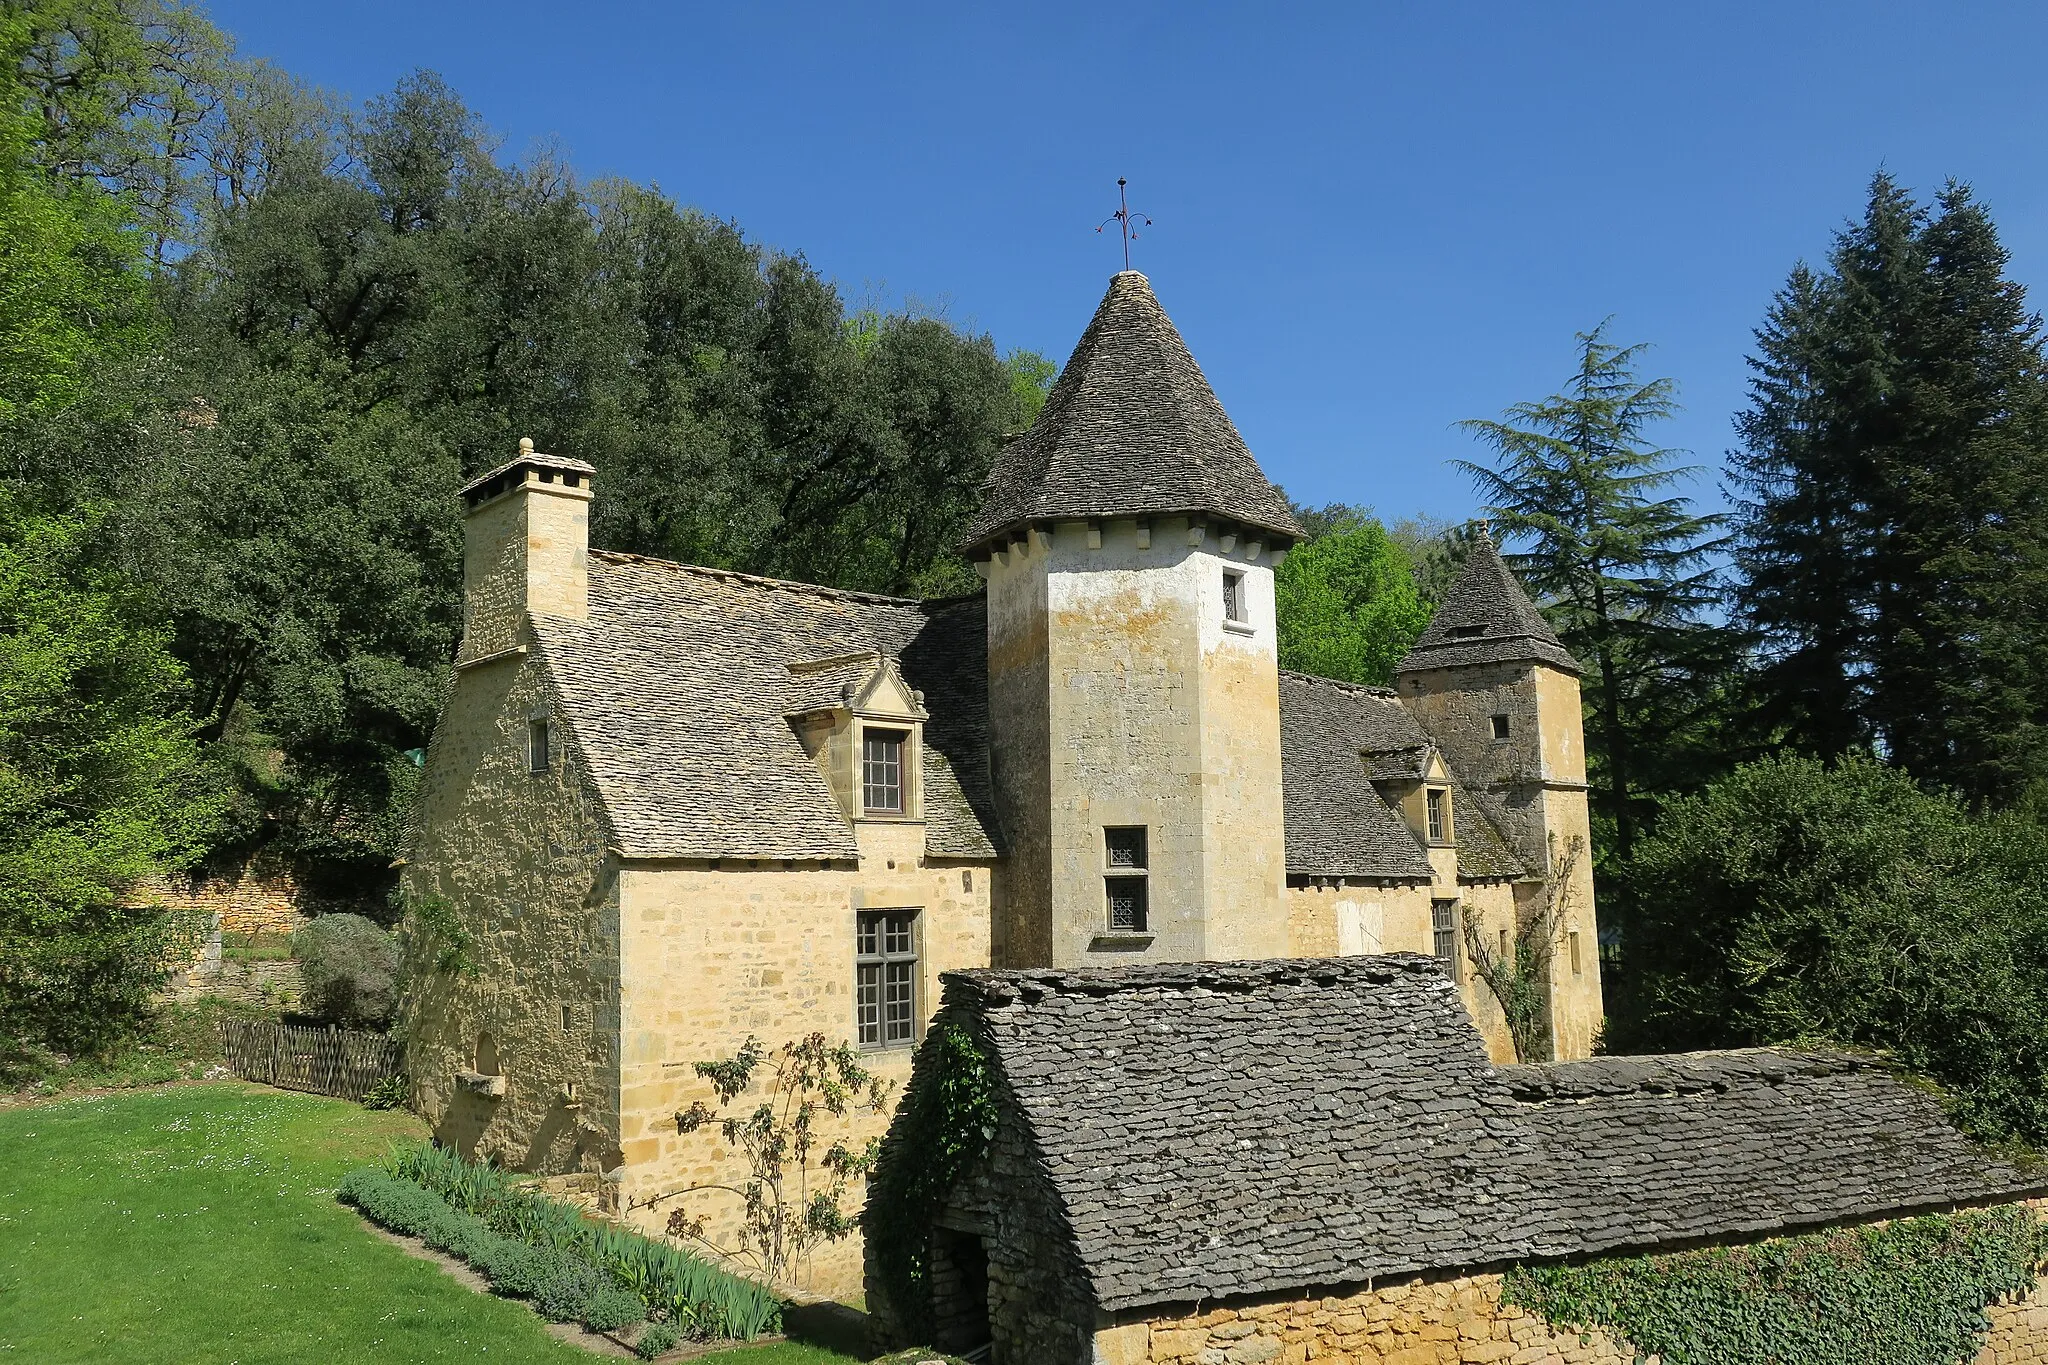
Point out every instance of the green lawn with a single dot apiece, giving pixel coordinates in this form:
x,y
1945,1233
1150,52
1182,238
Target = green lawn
x,y
197,1223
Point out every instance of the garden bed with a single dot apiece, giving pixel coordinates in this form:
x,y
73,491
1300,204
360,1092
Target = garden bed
x,y
645,1293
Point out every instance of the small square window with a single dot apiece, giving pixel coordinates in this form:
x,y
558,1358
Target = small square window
x,y
1124,846
1234,607
1500,725
537,755
1127,908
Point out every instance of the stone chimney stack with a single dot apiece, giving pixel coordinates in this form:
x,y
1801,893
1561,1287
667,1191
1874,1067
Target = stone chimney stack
x,y
526,548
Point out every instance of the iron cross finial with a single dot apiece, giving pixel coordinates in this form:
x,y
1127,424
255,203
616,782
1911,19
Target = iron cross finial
x,y
1122,218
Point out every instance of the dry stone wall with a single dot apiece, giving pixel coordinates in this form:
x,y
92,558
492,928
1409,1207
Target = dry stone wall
x,y
1454,1321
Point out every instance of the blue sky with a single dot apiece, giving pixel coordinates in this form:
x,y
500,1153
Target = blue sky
x,y
1370,220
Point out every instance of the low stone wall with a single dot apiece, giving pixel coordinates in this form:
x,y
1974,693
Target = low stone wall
x,y
1422,1322
1439,1322
271,984
251,900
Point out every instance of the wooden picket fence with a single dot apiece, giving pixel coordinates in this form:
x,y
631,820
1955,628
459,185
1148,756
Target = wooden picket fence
x,y
327,1061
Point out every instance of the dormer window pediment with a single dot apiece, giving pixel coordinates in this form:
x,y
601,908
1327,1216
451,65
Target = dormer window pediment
x,y
863,724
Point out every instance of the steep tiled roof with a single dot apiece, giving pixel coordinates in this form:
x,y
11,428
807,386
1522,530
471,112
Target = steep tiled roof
x,y
1220,1129
1131,428
1337,825
1487,618
676,690
1336,740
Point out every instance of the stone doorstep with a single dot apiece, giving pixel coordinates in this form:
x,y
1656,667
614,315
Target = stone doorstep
x,y
618,1345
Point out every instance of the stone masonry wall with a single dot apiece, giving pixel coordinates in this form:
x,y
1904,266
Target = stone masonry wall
x,y
1453,1321
519,856
710,956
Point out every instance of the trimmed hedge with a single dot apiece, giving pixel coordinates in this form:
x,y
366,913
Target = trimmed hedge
x,y
573,1269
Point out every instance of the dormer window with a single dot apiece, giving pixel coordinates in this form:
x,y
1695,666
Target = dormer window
x,y
881,771
1438,803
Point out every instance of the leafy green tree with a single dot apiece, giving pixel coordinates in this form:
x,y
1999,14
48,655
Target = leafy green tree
x,y
1618,562
1795,901
100,786
1346,600
1893,535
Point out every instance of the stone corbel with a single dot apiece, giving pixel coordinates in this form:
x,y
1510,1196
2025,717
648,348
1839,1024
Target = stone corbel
x,y
480,1085
1197,530
1227,542
1144,534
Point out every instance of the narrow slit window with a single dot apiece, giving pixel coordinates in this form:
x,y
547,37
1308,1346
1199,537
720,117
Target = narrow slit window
x,y
1573,940
1126,861
537,755
881,771
885,977
1234,609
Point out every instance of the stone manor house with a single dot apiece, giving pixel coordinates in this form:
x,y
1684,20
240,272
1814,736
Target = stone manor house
x,y
677,807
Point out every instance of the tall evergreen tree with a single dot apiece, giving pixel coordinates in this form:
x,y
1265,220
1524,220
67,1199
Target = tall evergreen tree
x,y
1616,560
1893,532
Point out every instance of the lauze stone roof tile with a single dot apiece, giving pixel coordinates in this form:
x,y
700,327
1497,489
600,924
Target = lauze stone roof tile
x,y
677,690
1221,1129
1132,428
1487,618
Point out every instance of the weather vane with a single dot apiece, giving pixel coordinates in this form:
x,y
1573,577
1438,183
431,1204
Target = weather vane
x,y
1122,218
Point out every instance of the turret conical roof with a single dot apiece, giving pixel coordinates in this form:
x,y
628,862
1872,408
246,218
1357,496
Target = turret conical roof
x,y
1131,429
1486,618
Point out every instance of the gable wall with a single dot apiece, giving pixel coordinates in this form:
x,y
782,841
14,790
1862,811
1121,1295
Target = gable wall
x,y
520,858
711,955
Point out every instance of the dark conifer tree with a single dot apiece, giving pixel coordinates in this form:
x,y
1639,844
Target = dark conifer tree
x,y
1893,544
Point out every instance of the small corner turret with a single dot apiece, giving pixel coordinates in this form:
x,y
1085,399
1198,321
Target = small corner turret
x,y
1499,693
526,549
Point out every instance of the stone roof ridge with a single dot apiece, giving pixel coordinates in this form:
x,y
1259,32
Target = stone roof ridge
x,y
1679,1072
1361,689
623,557
1007,985
1486,617
1131,428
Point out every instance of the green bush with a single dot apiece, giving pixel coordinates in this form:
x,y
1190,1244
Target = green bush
x,y
1793,901
703,1301
1914,1290
569,1292
530,1247
613,1306
658,1337
350,966
517,1270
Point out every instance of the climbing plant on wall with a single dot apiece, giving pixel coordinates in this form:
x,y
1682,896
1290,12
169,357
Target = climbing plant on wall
x,y
947,1120
1913,1290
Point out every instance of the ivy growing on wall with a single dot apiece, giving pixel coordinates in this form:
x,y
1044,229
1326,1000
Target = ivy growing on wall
x,y
1914,1290
946,1122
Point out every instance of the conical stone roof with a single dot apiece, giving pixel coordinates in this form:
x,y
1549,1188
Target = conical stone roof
x,y
1131,429
1486,618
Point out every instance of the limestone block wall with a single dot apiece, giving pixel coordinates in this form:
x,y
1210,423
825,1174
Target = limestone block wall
x,y
520,857
712,955
1451,1321
1454,1321
1116,683
1338,917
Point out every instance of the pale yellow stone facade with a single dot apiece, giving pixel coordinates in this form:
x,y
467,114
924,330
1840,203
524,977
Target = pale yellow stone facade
x,y
1121,696
1127,687
1450,1321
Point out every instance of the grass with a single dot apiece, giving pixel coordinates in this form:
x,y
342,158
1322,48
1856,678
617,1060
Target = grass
x,y
179,1043
198,1222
